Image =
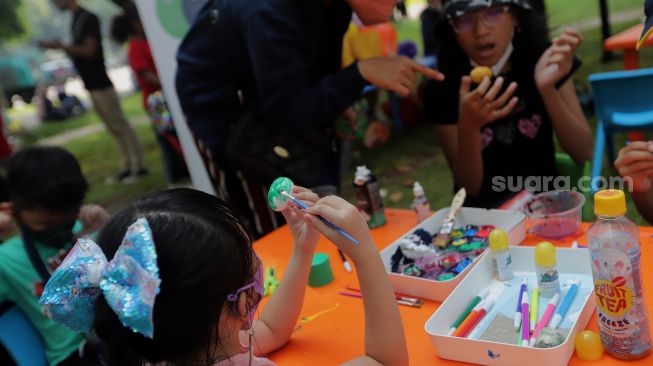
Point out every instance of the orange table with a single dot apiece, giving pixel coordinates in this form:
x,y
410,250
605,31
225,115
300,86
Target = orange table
x,y
331,327
626,41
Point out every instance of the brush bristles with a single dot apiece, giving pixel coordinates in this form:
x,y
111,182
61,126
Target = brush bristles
x,y
441,240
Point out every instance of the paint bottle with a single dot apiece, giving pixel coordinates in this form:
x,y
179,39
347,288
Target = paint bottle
x,y
501,259
546,269
368,197
420,204
615,253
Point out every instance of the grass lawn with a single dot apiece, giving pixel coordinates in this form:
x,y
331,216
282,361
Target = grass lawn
x,y
561,12
99,159
132,106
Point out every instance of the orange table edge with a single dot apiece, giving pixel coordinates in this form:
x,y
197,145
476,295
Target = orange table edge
x,y
331,327
627,41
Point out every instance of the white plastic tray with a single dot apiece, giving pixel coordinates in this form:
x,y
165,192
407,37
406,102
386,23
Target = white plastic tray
x,y
572,264
512,222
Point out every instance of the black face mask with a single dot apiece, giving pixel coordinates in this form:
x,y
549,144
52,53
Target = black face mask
x,y
56,237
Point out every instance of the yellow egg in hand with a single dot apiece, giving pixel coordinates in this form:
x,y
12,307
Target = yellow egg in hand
x,y
588,346
480,72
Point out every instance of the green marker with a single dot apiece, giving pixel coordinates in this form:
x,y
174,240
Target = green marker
x,y
464,314
535,297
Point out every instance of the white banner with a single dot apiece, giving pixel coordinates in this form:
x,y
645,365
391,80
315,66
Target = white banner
x,y
165,23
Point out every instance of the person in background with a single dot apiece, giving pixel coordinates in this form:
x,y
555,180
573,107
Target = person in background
x,y
88,57
635,160
635,163
278,64
127,27
360,43
46,189
401,7
503,129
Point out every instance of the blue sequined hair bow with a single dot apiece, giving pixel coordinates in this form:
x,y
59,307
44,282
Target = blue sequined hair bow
x,y
129,283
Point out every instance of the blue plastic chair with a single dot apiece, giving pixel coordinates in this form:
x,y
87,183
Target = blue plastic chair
x,y
20,339
623,103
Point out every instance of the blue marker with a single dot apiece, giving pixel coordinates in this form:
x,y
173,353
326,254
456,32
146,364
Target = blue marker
x,y
564,306
303,206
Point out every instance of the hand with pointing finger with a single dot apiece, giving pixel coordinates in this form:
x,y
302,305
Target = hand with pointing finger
x,y
395,73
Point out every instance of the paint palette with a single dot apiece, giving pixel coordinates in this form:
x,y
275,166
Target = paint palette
x,y
512,222
495,340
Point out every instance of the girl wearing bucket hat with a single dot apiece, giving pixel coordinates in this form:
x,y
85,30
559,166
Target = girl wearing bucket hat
x,y
497,133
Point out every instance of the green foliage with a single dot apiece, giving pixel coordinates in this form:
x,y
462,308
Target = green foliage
x,y
11,25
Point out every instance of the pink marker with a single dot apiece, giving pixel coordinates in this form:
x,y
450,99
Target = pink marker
x,y
525,323
545,318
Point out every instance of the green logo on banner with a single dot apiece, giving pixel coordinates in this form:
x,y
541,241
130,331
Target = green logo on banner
x,y
173,17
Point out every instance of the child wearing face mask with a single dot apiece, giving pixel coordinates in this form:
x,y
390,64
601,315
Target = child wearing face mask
x,y
46,189
194,283
502,130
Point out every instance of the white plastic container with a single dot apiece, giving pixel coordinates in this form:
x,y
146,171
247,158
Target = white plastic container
x,y
572,264
512,222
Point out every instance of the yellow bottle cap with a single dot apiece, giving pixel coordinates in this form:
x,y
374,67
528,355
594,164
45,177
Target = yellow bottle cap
x,y
498,240
545,254
610,202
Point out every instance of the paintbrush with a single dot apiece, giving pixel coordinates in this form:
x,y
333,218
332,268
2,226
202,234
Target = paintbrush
x,y
304,206
442,237
398,296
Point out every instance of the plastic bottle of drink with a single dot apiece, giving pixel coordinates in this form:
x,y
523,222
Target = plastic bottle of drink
x,y
368,197
615,252
421,204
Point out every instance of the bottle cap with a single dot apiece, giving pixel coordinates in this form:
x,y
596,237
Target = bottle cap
x,y
418,190
610,202
545,254
498,240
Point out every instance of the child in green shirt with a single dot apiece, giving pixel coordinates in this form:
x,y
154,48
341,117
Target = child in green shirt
x,y
46,190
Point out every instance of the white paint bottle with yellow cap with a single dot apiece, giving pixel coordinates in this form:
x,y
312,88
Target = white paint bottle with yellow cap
x,y
501,259
546,270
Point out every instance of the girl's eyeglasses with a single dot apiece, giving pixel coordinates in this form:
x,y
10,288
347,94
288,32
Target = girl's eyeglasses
x,y
489,17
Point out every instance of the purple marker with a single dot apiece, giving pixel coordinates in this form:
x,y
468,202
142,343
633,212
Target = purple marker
x,y
518,313
525,328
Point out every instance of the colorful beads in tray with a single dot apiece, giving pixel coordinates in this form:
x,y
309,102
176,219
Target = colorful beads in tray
x,y
417,256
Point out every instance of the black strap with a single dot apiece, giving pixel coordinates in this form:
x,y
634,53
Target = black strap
x,y
36,260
